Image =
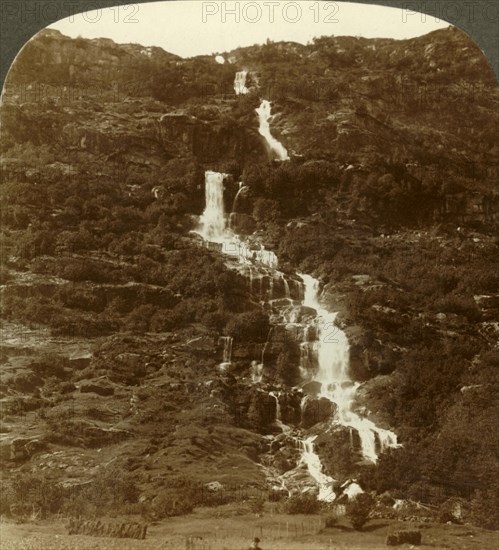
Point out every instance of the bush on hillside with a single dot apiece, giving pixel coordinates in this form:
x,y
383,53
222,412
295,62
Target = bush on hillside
x,y
358,510
302,504
484,508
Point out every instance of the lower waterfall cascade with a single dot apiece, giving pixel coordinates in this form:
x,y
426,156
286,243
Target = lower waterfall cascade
x,y
322,342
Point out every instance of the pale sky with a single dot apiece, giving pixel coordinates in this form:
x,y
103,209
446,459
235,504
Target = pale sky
x,y
189,28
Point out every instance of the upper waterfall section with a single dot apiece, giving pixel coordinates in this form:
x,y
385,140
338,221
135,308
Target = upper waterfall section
x,y
264,115
240,83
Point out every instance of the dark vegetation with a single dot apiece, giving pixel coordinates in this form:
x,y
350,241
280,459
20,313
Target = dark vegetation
x,y
111,492
302,504
359,509
391,179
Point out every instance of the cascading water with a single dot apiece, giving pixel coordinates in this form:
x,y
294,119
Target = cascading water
x,y
332,351
351,489
240,83
324,347
256,372
286,288
285,429
242,189
227,353
277,405
212,226
311,460
213,219
264,113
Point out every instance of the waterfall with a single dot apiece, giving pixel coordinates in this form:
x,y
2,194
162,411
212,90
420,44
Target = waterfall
x,y
213,218
264,349
285,429
242,189
351,489
287,293
325,346
227,353
277,148
256,372
266,257
311,460
279,275
240,83
333,354
304,399
304,356
277,405
212,226
271,289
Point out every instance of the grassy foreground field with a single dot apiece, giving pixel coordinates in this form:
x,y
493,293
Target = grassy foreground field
x,y
199,531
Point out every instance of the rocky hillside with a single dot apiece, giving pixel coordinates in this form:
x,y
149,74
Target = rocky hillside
x,y
114,316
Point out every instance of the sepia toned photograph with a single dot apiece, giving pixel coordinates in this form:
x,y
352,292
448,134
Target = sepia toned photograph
x,y
249,279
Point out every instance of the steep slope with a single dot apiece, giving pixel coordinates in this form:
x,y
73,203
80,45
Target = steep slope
x,y
388,198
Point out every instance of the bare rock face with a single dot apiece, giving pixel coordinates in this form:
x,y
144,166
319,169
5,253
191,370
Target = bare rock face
x,y
184,134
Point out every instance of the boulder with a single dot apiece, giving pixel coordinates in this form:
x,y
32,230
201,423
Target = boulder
x,y
290,403
214,486
312,388
316,410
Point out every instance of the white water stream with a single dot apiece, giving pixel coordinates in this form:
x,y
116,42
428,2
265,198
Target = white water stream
x,y
276,147
240,83
329,349
332,350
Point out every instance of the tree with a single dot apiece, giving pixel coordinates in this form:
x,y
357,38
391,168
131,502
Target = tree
x,y
484,507
358,510
302,504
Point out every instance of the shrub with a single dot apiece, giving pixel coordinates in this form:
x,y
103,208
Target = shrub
x,y
450,511
51,364
460,305
484,508
31,493
173,503
67,387
331,520
302,504
111,490
358,510
257,505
